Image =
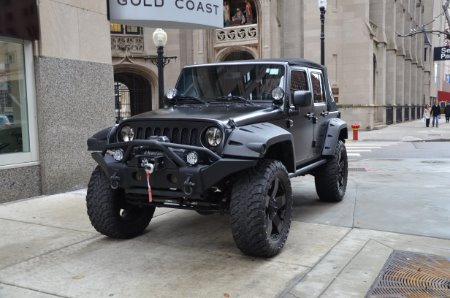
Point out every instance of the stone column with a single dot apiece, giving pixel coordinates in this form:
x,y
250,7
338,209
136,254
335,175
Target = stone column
x,y
74,89
266,24
400,63
391,61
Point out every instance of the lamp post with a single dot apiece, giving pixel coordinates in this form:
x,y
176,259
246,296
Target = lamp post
x,y
323,9
160,41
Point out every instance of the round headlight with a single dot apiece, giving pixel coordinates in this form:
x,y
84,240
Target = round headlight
x,y
277,93
214,136
127,133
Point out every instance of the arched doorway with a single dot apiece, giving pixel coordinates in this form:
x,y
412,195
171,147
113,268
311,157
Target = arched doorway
x,y
133,94
238,55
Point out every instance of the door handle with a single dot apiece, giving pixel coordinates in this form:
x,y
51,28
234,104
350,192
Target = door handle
x,y
312,116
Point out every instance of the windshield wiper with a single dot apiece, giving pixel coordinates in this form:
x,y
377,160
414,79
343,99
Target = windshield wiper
x,y
187,99
233,98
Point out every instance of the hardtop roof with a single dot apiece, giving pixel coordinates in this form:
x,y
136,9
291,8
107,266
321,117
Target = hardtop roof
x,y
290,61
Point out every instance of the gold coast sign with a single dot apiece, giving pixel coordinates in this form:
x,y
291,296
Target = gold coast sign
x,y
167,13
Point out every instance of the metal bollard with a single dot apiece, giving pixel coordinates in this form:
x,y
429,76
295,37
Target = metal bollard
x,y
355,128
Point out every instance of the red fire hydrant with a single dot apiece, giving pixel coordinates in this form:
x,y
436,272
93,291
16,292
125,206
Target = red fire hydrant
x,y
355,128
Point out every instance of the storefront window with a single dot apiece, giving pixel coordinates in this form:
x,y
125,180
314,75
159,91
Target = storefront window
x,y
16,145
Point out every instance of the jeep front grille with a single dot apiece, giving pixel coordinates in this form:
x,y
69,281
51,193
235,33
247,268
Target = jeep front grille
x,y
186,135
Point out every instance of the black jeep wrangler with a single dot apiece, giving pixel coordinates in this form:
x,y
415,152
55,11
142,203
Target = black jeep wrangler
x,y
232,136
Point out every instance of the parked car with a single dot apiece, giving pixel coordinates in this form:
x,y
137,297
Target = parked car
x,y
233,136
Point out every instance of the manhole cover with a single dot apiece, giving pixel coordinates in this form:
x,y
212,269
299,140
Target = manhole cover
x,y
408,274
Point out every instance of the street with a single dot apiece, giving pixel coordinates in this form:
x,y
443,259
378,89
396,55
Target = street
x,y
397,199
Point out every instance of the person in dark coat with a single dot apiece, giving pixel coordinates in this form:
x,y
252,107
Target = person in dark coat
x,y
447,112
436,112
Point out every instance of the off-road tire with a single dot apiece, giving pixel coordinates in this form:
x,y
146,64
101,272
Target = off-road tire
x,y
261,208
331,178
108,212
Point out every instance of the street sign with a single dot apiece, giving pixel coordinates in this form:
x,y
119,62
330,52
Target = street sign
x,y
441,53
194,14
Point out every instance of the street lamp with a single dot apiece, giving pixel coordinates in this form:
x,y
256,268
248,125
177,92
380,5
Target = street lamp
x,y
160,41
323,9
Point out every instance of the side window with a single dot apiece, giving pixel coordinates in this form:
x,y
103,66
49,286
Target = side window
x,y
299,81
318,87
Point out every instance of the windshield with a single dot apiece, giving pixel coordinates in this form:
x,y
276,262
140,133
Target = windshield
x,y
240,83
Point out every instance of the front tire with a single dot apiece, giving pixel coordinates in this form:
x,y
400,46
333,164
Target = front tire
x,y
110,214
331,178
261,208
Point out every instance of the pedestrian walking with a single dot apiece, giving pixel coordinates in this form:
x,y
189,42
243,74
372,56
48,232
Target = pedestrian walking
x,y
436,113
427,115
447,112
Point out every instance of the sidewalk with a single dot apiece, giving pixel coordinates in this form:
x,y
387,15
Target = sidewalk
x,y
49,248
408,131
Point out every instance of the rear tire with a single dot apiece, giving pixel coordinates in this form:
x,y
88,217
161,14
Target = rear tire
x,y
110,214
331,178
261,208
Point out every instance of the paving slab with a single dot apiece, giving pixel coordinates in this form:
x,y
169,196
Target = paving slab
x,y
22,241
306,244
364,250
105,268
8,291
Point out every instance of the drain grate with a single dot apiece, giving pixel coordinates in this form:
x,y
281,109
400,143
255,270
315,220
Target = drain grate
x,y
408,274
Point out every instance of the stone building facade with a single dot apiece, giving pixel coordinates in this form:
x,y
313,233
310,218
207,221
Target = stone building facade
x,y
56,83
377,77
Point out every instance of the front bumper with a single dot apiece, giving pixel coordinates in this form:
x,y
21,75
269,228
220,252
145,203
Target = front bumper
x,y
172,176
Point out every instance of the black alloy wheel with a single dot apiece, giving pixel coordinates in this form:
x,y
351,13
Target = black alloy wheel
x,y
261,208
331,178
110,214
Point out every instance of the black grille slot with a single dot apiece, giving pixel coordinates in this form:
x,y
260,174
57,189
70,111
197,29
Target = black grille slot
x,y
194,137
167,132
175,136
139,133
148,132
184,136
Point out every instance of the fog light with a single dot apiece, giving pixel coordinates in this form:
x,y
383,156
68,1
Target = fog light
x,y
192,158
118,154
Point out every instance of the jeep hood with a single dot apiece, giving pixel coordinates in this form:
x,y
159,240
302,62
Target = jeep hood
x,y
241,114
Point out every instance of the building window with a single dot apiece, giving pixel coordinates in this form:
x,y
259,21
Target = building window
x,y
116,28
17,129
239,12
125,29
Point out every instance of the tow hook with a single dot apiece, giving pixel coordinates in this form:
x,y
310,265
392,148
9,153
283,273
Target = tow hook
x,y
115,181
188,186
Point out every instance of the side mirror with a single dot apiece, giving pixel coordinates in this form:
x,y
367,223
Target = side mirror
x,y
302,98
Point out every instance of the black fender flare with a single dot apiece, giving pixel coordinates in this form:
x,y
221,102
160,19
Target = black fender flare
x,y
256,141
336,130
100,139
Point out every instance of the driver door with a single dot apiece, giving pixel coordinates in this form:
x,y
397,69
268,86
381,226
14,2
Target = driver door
x,y
302,126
